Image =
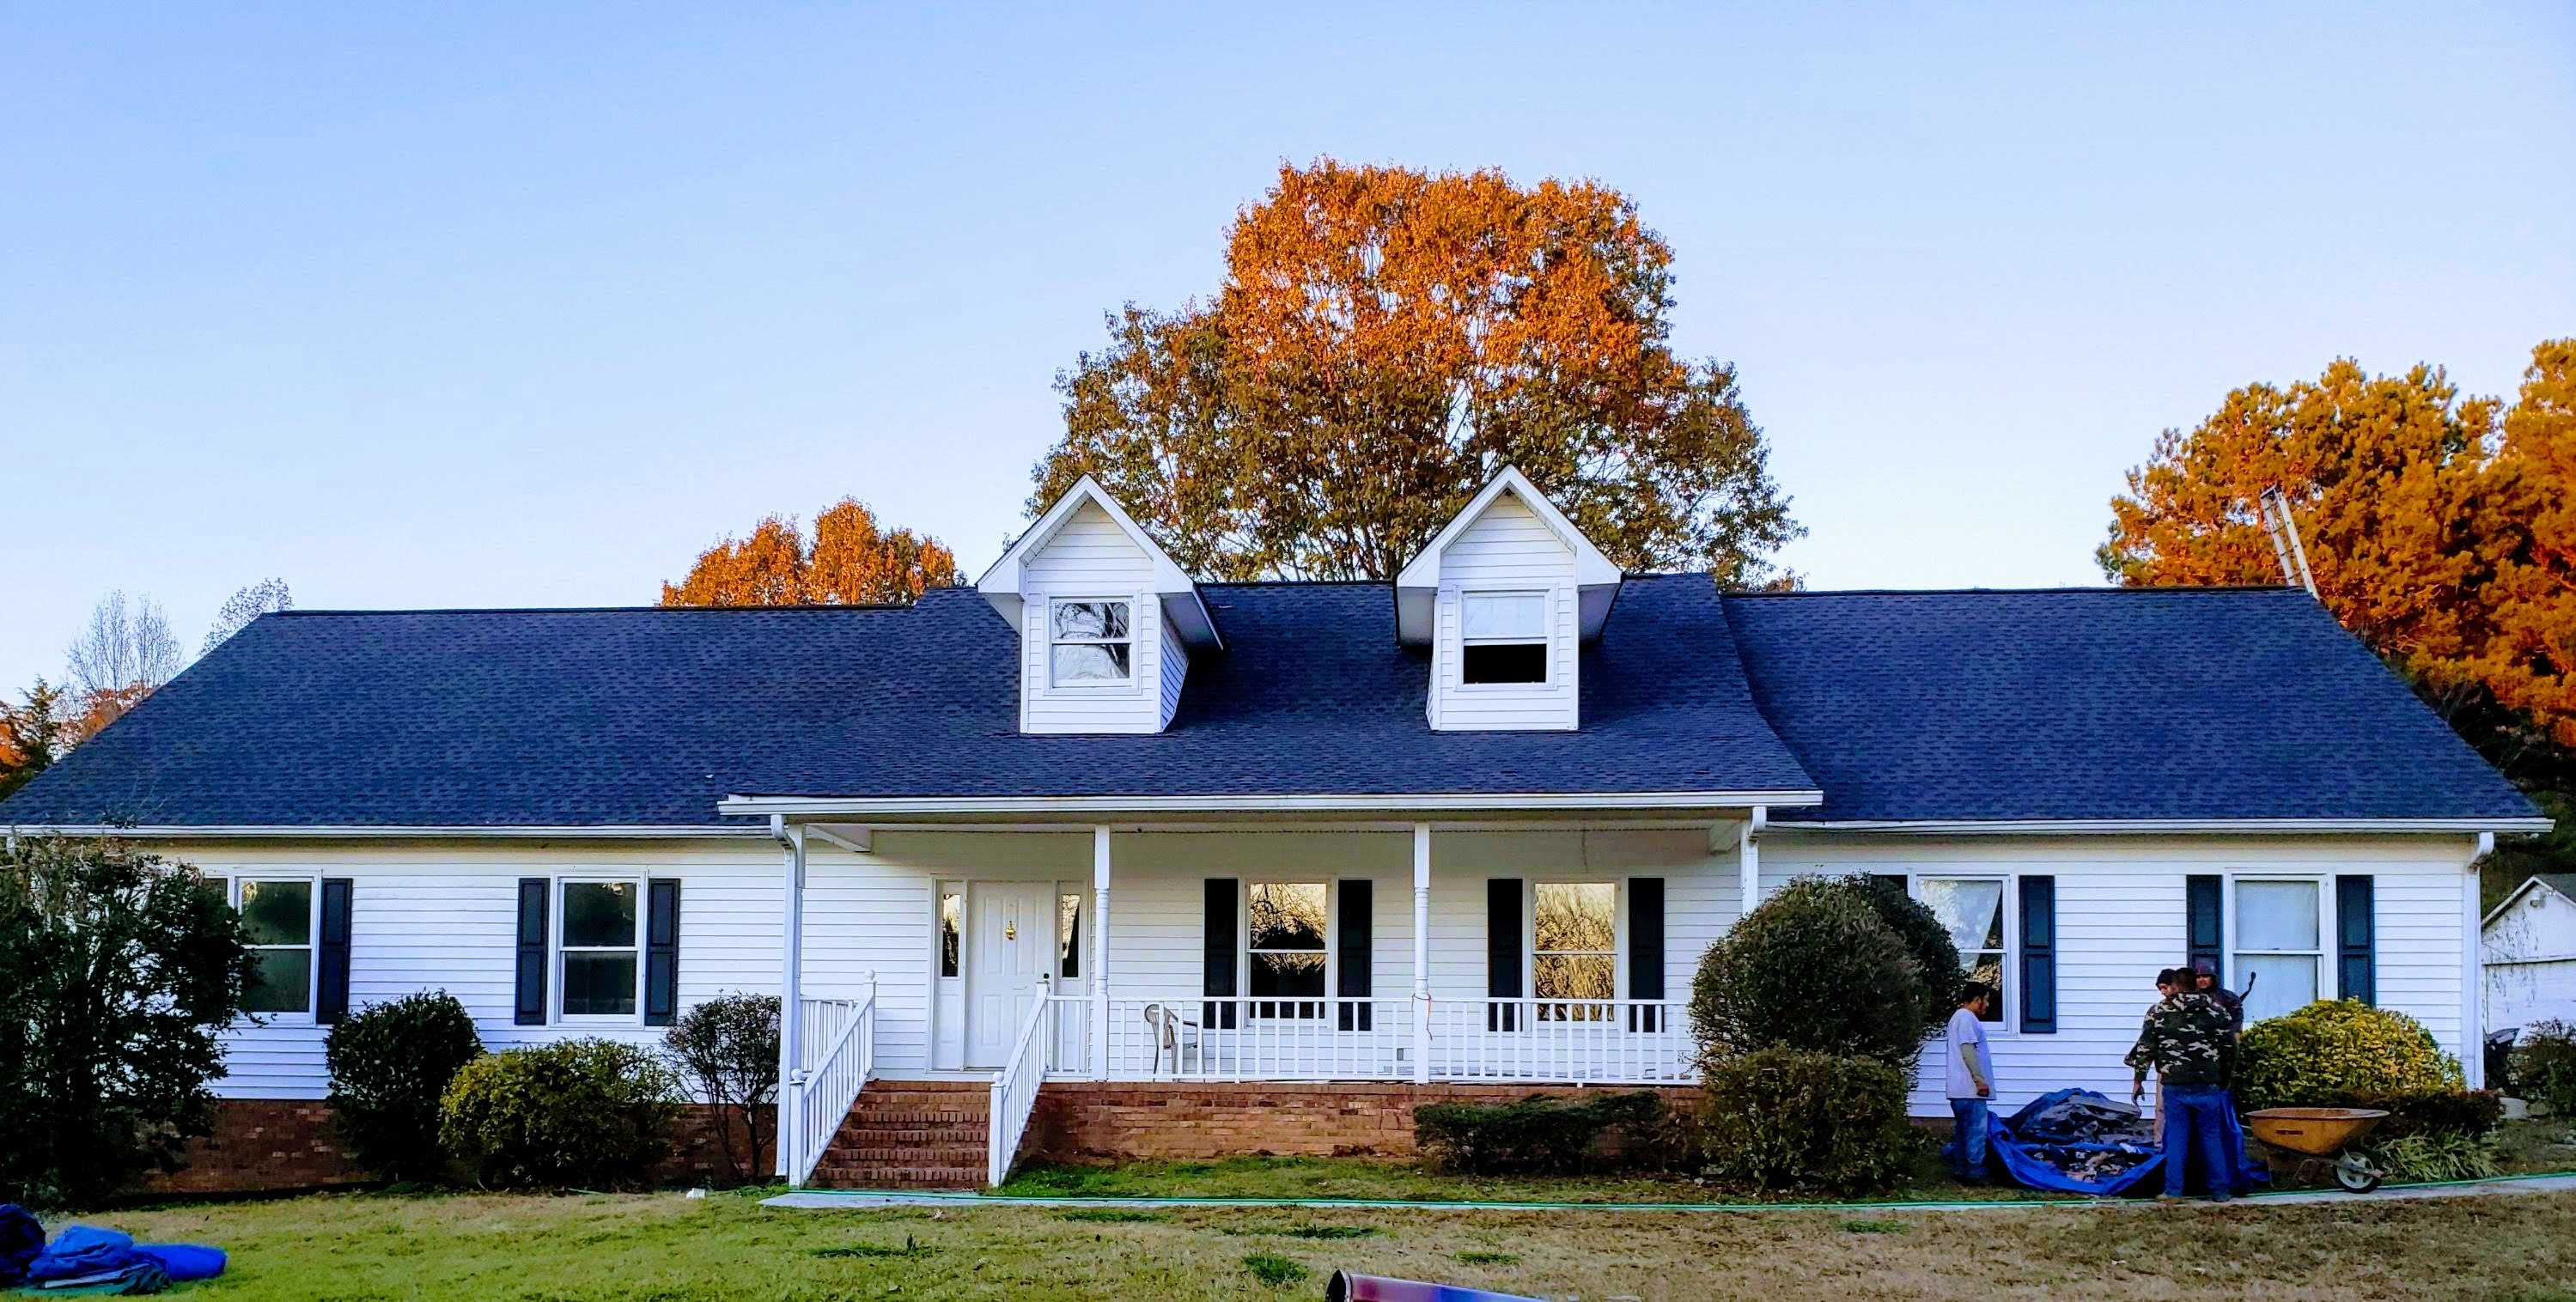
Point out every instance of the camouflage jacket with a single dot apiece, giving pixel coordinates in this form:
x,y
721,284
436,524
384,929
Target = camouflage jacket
x,y
2186,1040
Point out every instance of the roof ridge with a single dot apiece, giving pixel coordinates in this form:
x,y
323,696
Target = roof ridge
x,y
2063,589
812,607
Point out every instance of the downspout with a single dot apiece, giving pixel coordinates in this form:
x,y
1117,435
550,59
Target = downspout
x,y
2473,973
791,1020
1748,858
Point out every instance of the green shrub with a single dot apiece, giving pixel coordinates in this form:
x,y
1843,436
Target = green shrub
x,y
390,1066
1781,1117
2334,1049
2544,1066
578,1114
2425,1112
1540,1133
1925,938
728,1049
2436,1156
1813,969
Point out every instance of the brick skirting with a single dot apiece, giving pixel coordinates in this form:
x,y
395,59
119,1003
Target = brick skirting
x,y
1097,1121
278,1145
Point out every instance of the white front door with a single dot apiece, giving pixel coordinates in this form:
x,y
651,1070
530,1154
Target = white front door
x,y
1010,943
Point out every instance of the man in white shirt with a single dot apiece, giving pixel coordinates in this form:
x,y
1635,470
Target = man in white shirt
x,y
1970,1072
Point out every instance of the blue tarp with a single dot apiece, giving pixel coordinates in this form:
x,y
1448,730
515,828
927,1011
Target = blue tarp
x,y
84,1258
2021,1159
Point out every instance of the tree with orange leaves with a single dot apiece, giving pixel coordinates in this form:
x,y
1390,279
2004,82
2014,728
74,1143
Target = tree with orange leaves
x,y
850,563
1385,339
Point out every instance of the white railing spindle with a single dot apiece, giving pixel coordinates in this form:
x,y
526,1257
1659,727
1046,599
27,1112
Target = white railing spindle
x,y
1015,1089
840,1036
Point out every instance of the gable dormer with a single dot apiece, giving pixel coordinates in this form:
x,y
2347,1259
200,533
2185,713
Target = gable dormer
x,y
1106,619
1505,596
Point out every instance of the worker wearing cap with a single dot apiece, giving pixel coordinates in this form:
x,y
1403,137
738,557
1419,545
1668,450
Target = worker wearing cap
x,y
2204,978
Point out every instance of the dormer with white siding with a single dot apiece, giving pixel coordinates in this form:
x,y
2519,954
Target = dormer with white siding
x,y
1505,596
1106,619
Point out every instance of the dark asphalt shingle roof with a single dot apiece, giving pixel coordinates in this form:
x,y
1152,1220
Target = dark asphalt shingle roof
x,y
2097,704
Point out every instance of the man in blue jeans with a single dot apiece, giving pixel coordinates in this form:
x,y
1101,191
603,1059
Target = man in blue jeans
x,y
2186,1042
1971,1077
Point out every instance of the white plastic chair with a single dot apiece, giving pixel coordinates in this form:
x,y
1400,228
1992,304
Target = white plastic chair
x,y
1173,1035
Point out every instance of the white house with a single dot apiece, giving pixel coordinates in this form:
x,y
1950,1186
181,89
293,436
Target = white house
x,y
1175,867
2530,954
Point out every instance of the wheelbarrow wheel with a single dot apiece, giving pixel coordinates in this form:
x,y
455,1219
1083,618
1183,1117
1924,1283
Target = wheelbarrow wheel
x,y
2355,1174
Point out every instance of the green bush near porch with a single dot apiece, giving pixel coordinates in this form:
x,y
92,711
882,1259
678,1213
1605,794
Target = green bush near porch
x,y
1781,1118
1540,1134
582,1114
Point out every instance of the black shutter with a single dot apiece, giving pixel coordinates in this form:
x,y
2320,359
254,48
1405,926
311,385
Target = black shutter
x,y
2356,959
1503,952
531,1010
1352,939
1645,950
662,951
1220,935
1894,881
331,1000
2204,922
2039,955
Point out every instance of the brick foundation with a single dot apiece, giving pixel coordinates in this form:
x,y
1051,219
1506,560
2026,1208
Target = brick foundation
x,y
278,1145
1096,1121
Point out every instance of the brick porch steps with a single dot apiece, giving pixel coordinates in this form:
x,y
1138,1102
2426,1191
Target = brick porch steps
x,y
911,1135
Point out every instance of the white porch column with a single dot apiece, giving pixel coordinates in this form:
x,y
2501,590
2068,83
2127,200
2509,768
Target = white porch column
x,y
791,982
1421,953
1100,955
1748,858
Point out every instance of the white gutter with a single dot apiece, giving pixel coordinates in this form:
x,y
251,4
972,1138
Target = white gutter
x,y
320,832
871,808
2114,826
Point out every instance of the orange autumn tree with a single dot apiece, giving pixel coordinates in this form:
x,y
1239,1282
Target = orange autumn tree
x,y
2529,660
851,562
1384,340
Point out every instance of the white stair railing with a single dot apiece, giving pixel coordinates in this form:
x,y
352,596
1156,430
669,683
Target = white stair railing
x,y
840,1035
1015,1089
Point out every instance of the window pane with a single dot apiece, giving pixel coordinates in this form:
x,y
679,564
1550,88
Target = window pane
x,y
1988,968
1520,615
1288,974
1575,976
1068,932
1091,619
1576,915
599,913
1287,915
284,982
1973,912
2281,985
1086,662
599,984
278,913
1503,662
952,909
2276,915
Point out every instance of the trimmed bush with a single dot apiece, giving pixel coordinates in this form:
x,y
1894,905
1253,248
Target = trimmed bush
x,y
1813,969
1541,1133
2426,1112
1925,938
2544,1066
390,1066
728,1049
1780,1118
2335,1049
579,1114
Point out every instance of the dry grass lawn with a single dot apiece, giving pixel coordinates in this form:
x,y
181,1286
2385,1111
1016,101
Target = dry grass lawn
x,y
662,1246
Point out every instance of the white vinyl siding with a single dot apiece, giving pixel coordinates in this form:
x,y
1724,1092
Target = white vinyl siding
x,y
1089,558
1175,668
1508,549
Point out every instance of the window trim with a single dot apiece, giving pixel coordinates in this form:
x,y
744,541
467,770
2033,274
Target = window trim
x,y
1546,640
2007,1019
312,946
2329,976
1243,950
556,949
1530,950
1133,643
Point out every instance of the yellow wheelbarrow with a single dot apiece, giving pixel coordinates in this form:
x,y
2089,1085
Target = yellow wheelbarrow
x,y
2321,1137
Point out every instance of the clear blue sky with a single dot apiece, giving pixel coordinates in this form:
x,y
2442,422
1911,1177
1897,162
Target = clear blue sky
x,y
461,305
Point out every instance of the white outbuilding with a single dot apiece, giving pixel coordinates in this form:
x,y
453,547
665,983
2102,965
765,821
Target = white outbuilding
x,y
2530,953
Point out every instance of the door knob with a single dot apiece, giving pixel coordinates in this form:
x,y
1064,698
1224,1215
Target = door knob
x,y
1010,931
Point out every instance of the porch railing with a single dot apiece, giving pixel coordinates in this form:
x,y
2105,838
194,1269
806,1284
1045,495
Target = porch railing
x,y
1540,1041
1015,1092
839,1036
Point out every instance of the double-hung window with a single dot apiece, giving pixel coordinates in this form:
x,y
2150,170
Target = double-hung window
x,y
278,914
601,956
2277,935
1090,644
1286,945
1574,950
1503,637
1972,909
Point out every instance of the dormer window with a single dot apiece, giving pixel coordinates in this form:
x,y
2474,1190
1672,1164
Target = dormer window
x,y
1091,644
1504,637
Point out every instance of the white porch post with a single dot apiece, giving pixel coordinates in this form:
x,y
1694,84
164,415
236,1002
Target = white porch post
x,y
1748,858
1100,956
791,1021
1421,953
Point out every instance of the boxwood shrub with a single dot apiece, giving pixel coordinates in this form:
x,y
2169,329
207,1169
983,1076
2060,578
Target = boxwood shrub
x,y
2335,1049
589,1114
1780,1117
391,1064
1814,968
1542,1133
